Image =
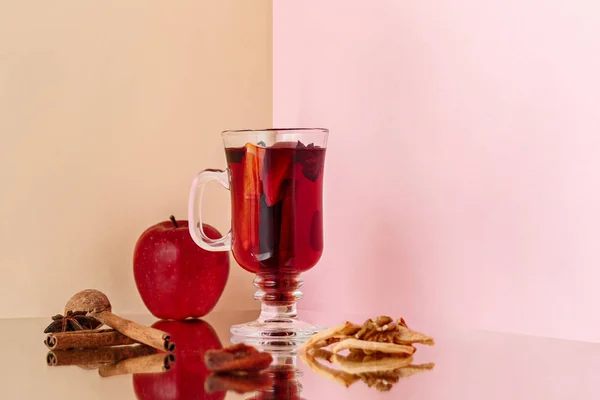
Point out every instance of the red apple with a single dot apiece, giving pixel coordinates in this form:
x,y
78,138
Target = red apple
x,y
185,380
176,278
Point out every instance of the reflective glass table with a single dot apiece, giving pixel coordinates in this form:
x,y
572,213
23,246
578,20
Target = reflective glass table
x,y
464,364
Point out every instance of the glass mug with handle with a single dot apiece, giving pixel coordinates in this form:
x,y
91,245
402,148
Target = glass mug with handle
x,y
275,177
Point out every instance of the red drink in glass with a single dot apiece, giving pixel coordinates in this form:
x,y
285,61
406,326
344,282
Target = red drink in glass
x,y
277,219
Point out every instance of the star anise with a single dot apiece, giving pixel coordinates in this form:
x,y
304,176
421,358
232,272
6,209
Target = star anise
x,y
72,321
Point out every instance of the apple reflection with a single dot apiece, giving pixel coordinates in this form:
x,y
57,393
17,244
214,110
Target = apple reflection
x,y
185,380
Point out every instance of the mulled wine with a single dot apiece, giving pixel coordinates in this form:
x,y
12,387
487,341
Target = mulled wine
x,y
276,194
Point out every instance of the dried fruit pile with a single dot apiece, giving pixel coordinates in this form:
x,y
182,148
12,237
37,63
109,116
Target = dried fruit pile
x,y
380,352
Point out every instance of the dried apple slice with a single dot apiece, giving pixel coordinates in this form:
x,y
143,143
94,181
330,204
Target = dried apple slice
x,y
364,345
345,329
407,336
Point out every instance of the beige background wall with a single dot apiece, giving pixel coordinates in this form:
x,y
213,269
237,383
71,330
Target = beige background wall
x,y
107,111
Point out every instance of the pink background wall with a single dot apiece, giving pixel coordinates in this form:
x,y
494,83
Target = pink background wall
x,y
462,174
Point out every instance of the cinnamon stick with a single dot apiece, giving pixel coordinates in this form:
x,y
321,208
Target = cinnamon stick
x,y
144,334
86,339
96,305
95,356
140,365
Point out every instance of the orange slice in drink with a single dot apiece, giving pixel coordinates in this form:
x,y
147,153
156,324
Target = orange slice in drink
x,y
248,219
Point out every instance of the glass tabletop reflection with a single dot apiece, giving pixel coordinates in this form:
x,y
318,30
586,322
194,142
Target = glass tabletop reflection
x,y
464,364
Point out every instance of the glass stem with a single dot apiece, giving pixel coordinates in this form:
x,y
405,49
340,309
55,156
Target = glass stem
x,y
278,295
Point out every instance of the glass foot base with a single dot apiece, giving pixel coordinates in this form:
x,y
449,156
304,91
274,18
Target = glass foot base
x,y
278,332
277,326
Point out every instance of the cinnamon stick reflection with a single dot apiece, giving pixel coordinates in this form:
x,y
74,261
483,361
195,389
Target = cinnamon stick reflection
x,y
154,363
96,356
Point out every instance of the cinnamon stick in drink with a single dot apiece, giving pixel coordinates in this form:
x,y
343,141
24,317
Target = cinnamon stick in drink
x,y
86,339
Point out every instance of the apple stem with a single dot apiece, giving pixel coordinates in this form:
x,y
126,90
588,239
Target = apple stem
x,y
172,218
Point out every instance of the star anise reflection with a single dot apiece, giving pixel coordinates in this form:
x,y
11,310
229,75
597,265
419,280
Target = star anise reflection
x,y
72,321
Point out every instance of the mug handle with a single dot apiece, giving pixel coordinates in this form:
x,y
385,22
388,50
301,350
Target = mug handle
x,y
195,211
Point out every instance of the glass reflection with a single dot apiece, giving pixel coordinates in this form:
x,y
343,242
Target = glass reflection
x,y
281,380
